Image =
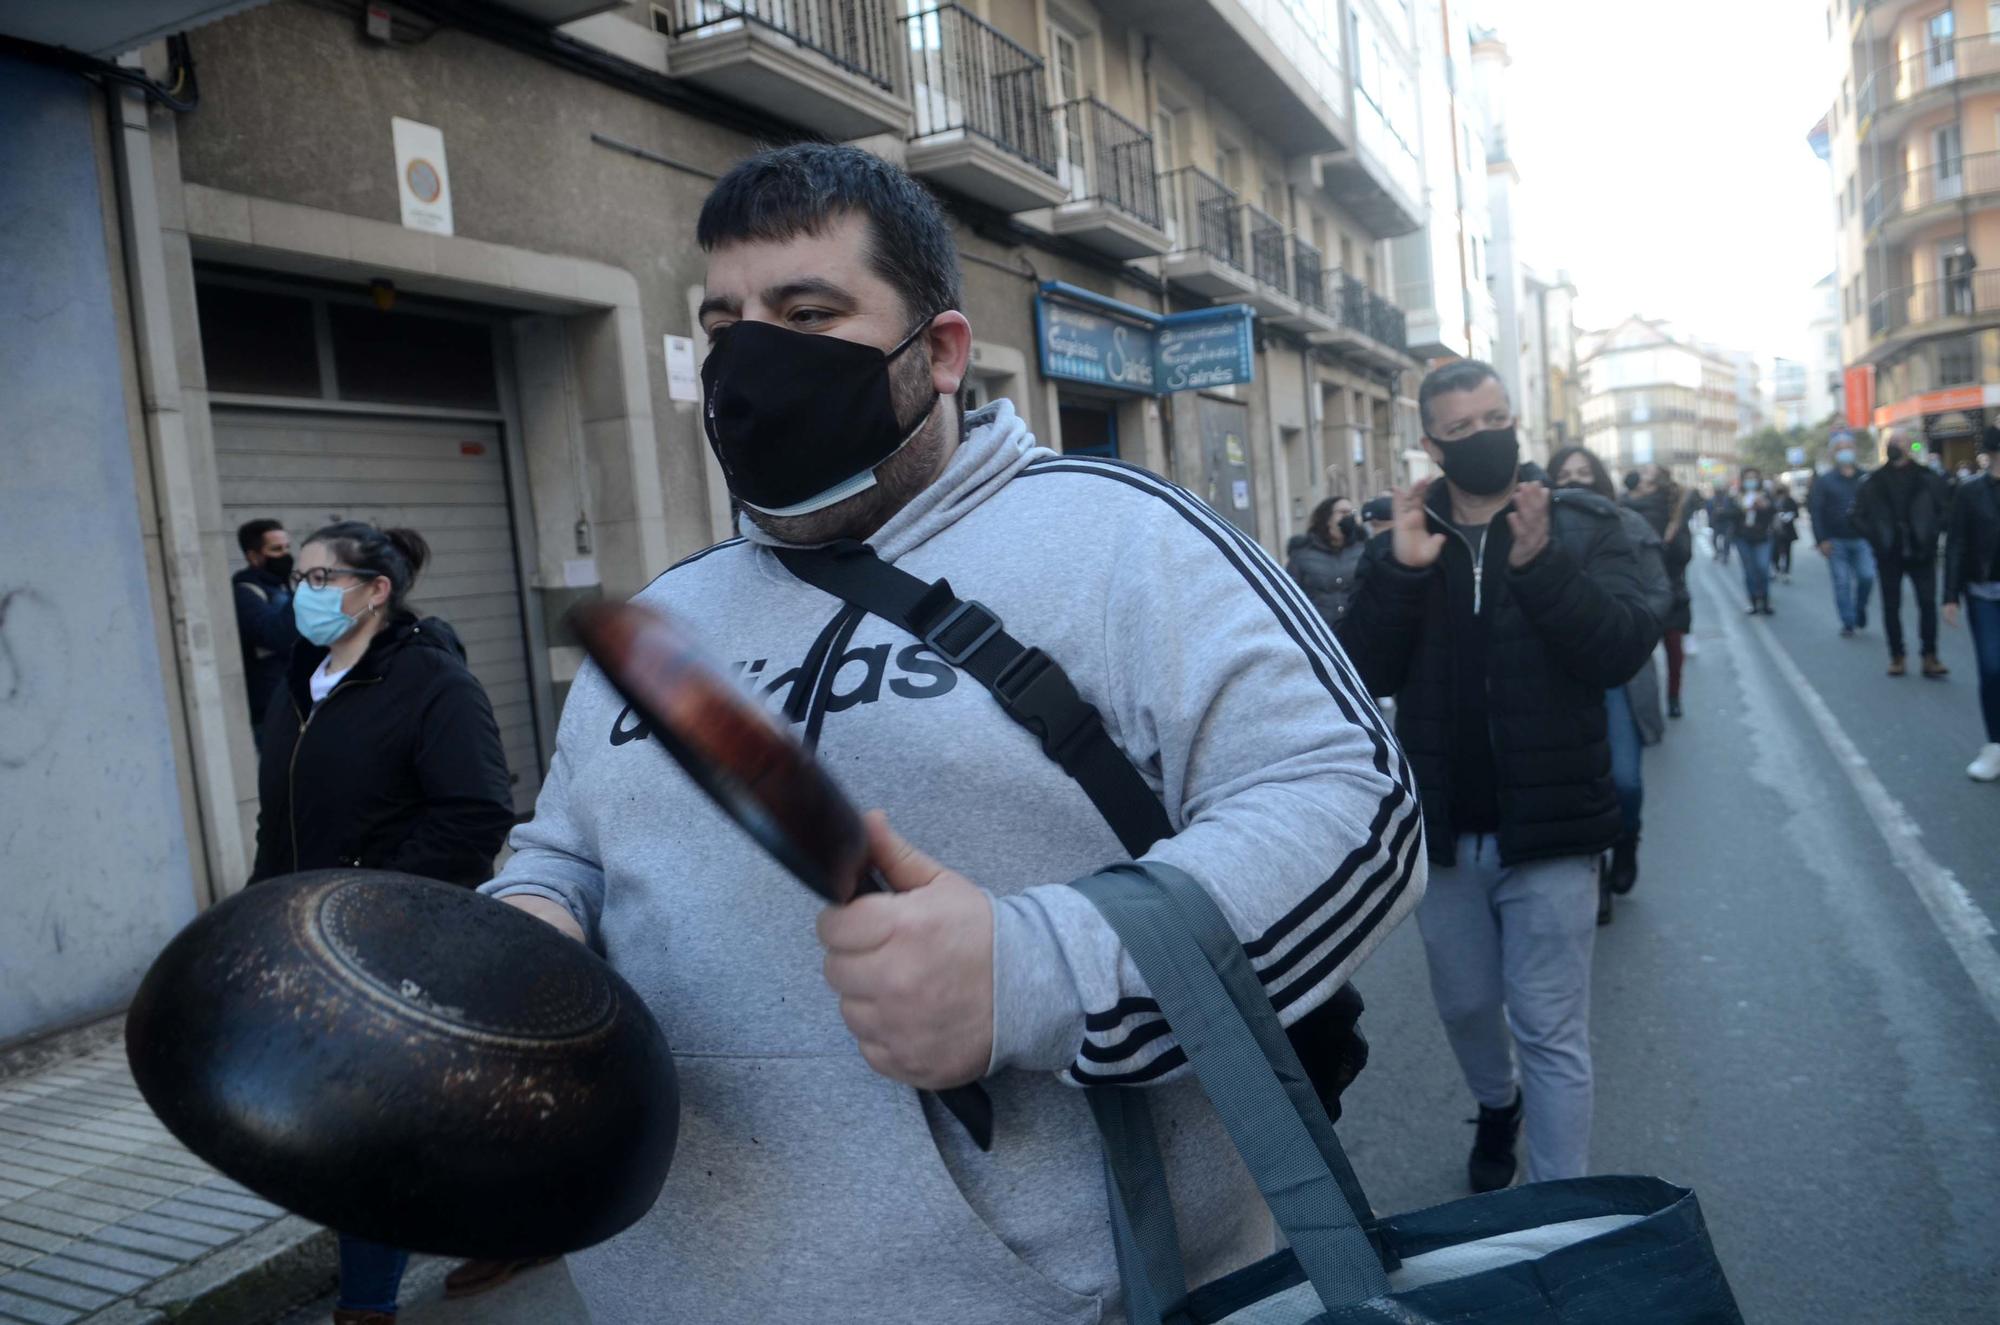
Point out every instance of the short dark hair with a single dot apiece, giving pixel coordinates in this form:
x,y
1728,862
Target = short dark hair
x,y
784,192
398,555
250,534
1458,375
1600,477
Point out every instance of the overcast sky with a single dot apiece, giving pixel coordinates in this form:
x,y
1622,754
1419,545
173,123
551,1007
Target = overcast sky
x,y
1663,158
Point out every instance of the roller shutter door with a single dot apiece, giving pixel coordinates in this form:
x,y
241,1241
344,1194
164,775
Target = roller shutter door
x,y
446,480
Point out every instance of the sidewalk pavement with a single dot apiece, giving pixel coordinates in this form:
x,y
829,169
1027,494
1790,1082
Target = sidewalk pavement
x,y
105,1218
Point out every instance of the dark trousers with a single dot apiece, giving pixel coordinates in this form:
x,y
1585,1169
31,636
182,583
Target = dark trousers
x,y
1923,581
1983,616
1781,555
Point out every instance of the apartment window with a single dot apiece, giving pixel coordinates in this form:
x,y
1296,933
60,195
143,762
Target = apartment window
x,y
1853,195
1942,27
1993,20
1346,254
1229,165
1955,361
1846,86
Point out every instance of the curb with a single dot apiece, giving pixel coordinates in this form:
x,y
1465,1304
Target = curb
x,y
277,1268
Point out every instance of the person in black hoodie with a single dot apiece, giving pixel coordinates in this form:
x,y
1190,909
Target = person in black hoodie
x,y
379,752
1323,559
1901,512
1497,614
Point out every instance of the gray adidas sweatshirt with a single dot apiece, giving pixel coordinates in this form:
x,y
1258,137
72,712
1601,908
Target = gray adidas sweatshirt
x,y
808,1188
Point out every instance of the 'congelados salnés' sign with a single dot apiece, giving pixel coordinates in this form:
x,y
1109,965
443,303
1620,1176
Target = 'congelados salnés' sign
x,y
1086,337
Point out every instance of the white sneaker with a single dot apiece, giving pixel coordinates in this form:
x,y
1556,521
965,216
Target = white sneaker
x,y
1986,768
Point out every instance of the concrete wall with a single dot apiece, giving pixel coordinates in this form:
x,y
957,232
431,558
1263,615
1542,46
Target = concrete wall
x,y
94,857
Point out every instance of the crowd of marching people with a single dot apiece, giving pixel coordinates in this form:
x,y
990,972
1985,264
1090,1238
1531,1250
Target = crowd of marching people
x,y
1904,520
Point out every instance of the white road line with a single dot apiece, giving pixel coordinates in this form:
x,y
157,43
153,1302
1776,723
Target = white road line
x,y
1965,927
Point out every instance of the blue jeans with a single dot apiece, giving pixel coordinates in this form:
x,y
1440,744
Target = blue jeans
x,y
1509,953
1622,729
370,1274
1853,566
1756,570
1982,617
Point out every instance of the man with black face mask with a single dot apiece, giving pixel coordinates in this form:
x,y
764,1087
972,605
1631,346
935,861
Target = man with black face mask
x,y
264,626
1497,614
1901,511
837,351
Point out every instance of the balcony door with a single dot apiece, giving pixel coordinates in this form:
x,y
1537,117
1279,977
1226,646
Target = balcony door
x,y
1167,156
1947,162
1066,87
1942,60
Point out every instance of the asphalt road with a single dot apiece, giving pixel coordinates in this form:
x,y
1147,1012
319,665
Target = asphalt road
x,y
1780,1022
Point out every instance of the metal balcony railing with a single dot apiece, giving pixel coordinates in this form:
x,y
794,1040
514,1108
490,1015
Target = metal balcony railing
x,y
1308,280
966,75
1362,310
1937,65
857,35
1267,249
1203,215
1106,158
1974,294
1940,181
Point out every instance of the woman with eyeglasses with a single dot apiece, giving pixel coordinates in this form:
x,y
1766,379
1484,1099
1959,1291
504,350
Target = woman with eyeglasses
x,y
379,752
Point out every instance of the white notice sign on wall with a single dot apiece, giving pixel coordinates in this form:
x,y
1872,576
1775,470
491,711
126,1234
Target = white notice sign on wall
x,y
421,177
682,382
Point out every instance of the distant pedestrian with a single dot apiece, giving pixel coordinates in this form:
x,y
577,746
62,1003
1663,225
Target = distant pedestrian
x,y
1756,521
1785,532
1668,508
264,631
1498,612
1902,511
1323,559
1632,710
1831,503
1724,513
380,752
1972,574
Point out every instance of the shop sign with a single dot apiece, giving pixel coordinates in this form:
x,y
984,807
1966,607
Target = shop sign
x,y
1085,337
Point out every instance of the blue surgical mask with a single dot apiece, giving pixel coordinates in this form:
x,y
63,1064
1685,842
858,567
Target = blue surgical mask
x,y
317,614
1751,485
1843,457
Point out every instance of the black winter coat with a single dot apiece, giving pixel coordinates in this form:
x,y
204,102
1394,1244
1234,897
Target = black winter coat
x,y
1876,515
1561,631
1972,546
400,767
1671,522
1325,572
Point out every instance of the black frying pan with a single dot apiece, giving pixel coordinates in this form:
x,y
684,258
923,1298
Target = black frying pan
x,y
752,768
410,1062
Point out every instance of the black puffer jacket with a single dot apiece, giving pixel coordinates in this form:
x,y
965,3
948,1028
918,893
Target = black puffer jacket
x,y
1561,631
1901,510
1325,572
1972,546
400,767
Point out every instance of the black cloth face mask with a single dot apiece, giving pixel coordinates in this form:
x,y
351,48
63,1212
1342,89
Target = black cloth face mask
x,y
1483,463
279,568
797,421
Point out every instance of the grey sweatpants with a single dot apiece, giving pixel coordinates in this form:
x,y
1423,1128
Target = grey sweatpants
x,y
1509,952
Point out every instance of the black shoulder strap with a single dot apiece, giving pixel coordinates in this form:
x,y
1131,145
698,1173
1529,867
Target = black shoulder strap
x,y
1031,687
